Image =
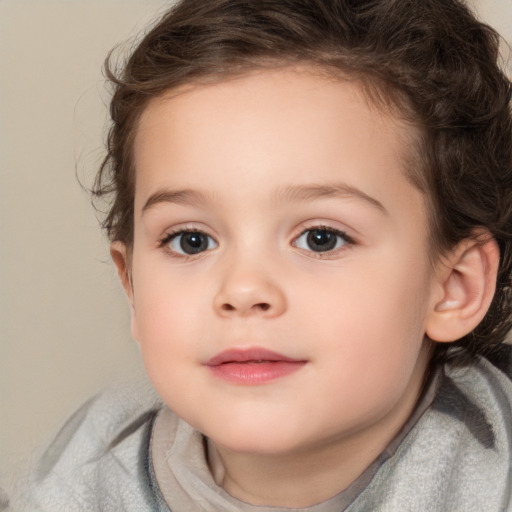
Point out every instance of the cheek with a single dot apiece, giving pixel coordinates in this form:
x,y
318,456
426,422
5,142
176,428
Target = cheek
x,y
370,321
169,336
369,298
168,312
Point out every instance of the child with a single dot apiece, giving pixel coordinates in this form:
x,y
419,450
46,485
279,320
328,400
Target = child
x,y
311,217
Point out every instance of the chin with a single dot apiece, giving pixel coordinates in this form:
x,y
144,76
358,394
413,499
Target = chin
x,y
255,439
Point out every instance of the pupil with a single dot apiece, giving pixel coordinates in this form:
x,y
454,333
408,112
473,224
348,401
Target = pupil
x,y
192,243
321,240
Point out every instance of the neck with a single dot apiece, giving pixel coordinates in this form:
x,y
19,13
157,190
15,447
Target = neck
x,y
304,478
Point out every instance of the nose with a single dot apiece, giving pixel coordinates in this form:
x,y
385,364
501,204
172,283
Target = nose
x,y
249,291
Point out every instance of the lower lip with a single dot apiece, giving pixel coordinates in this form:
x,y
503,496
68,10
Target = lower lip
x,y
252,373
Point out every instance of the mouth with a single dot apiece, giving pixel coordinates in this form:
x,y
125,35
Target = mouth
x,y
252,366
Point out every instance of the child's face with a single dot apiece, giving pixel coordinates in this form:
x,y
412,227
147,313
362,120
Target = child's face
x,y
306,240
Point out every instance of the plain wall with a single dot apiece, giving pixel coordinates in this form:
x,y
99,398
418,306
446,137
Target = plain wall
x,y
64,325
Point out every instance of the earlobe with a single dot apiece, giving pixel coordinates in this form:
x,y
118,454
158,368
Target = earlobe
x,y
467,281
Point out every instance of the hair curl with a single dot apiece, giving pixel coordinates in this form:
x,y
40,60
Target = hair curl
x,y
432,58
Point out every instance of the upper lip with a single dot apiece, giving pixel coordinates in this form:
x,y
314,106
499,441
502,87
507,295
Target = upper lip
x,y
247,355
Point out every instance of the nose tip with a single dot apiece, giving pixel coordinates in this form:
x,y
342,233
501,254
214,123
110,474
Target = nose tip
x,y
246,296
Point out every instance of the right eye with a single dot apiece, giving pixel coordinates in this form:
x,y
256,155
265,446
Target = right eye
x,y
188,243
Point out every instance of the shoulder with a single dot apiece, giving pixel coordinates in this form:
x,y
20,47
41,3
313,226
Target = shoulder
x,y
99,458
459,454
477,400
480,385
471,422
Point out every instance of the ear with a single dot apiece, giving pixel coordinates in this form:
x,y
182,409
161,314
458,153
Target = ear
x,y
465,286
121,258
119,254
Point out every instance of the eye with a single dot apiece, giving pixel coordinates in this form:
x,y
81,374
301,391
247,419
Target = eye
x,y
189,242
322,239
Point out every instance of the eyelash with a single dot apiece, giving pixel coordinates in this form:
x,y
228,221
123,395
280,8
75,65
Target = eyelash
x,y
347,242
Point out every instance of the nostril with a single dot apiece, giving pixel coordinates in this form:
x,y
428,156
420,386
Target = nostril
x,y
264,306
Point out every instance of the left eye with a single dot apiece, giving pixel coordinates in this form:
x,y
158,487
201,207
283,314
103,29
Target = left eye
x,y
321,240
190,242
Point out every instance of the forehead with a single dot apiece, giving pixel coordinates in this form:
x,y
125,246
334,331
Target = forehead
x,y
270,129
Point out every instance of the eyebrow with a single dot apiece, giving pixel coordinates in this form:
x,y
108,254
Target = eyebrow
x,y
297,193
292,193
185,196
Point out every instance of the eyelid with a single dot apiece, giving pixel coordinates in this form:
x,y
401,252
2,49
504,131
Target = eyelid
x,y
185,227
348,232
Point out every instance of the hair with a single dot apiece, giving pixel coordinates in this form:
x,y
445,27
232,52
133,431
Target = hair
x,y
430,58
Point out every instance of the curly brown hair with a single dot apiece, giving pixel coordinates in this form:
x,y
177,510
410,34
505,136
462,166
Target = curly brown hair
x,y
430,58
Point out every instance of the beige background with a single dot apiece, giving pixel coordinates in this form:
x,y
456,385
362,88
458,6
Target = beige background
x,y
64,327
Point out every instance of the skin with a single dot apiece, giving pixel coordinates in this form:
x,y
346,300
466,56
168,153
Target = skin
x,y
357,314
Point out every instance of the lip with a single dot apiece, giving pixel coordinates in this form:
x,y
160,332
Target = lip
x,y
252,366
